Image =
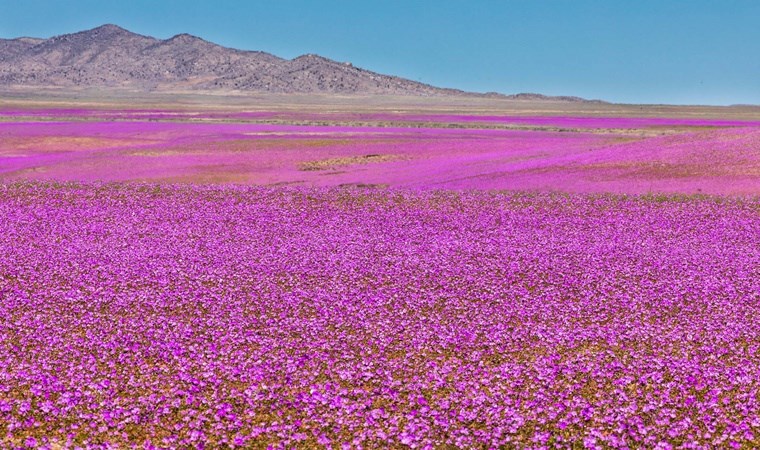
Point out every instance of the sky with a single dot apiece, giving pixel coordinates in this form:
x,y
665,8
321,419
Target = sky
x,y
633,51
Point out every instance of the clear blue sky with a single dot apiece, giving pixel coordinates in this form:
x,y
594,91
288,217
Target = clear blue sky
x,y
635,51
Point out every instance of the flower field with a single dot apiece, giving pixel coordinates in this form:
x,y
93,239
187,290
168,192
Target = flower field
x,y
408,151
191,316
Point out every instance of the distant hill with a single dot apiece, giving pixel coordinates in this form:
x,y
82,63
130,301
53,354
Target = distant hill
x,y
112,57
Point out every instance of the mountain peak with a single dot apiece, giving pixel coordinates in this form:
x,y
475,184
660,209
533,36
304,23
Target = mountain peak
x,y
104,33
184,37
109,27
188,40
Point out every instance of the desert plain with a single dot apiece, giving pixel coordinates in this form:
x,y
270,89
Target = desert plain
x,y
301,271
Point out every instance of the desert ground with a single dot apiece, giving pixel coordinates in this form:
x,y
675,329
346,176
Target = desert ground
x,y
383,142
262,271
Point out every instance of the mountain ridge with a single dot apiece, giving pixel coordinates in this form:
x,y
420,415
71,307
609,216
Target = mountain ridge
x,y
110,56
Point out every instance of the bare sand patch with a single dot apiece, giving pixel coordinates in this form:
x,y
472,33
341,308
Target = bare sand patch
x,y
331,163
44,144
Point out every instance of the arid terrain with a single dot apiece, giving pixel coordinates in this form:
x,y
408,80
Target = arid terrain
x,y
228,270
416,143
110,57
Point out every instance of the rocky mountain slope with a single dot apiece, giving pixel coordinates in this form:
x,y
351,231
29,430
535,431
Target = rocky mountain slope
x,y
112,57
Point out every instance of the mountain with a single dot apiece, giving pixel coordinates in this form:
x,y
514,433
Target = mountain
x,y
112,57
10,48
